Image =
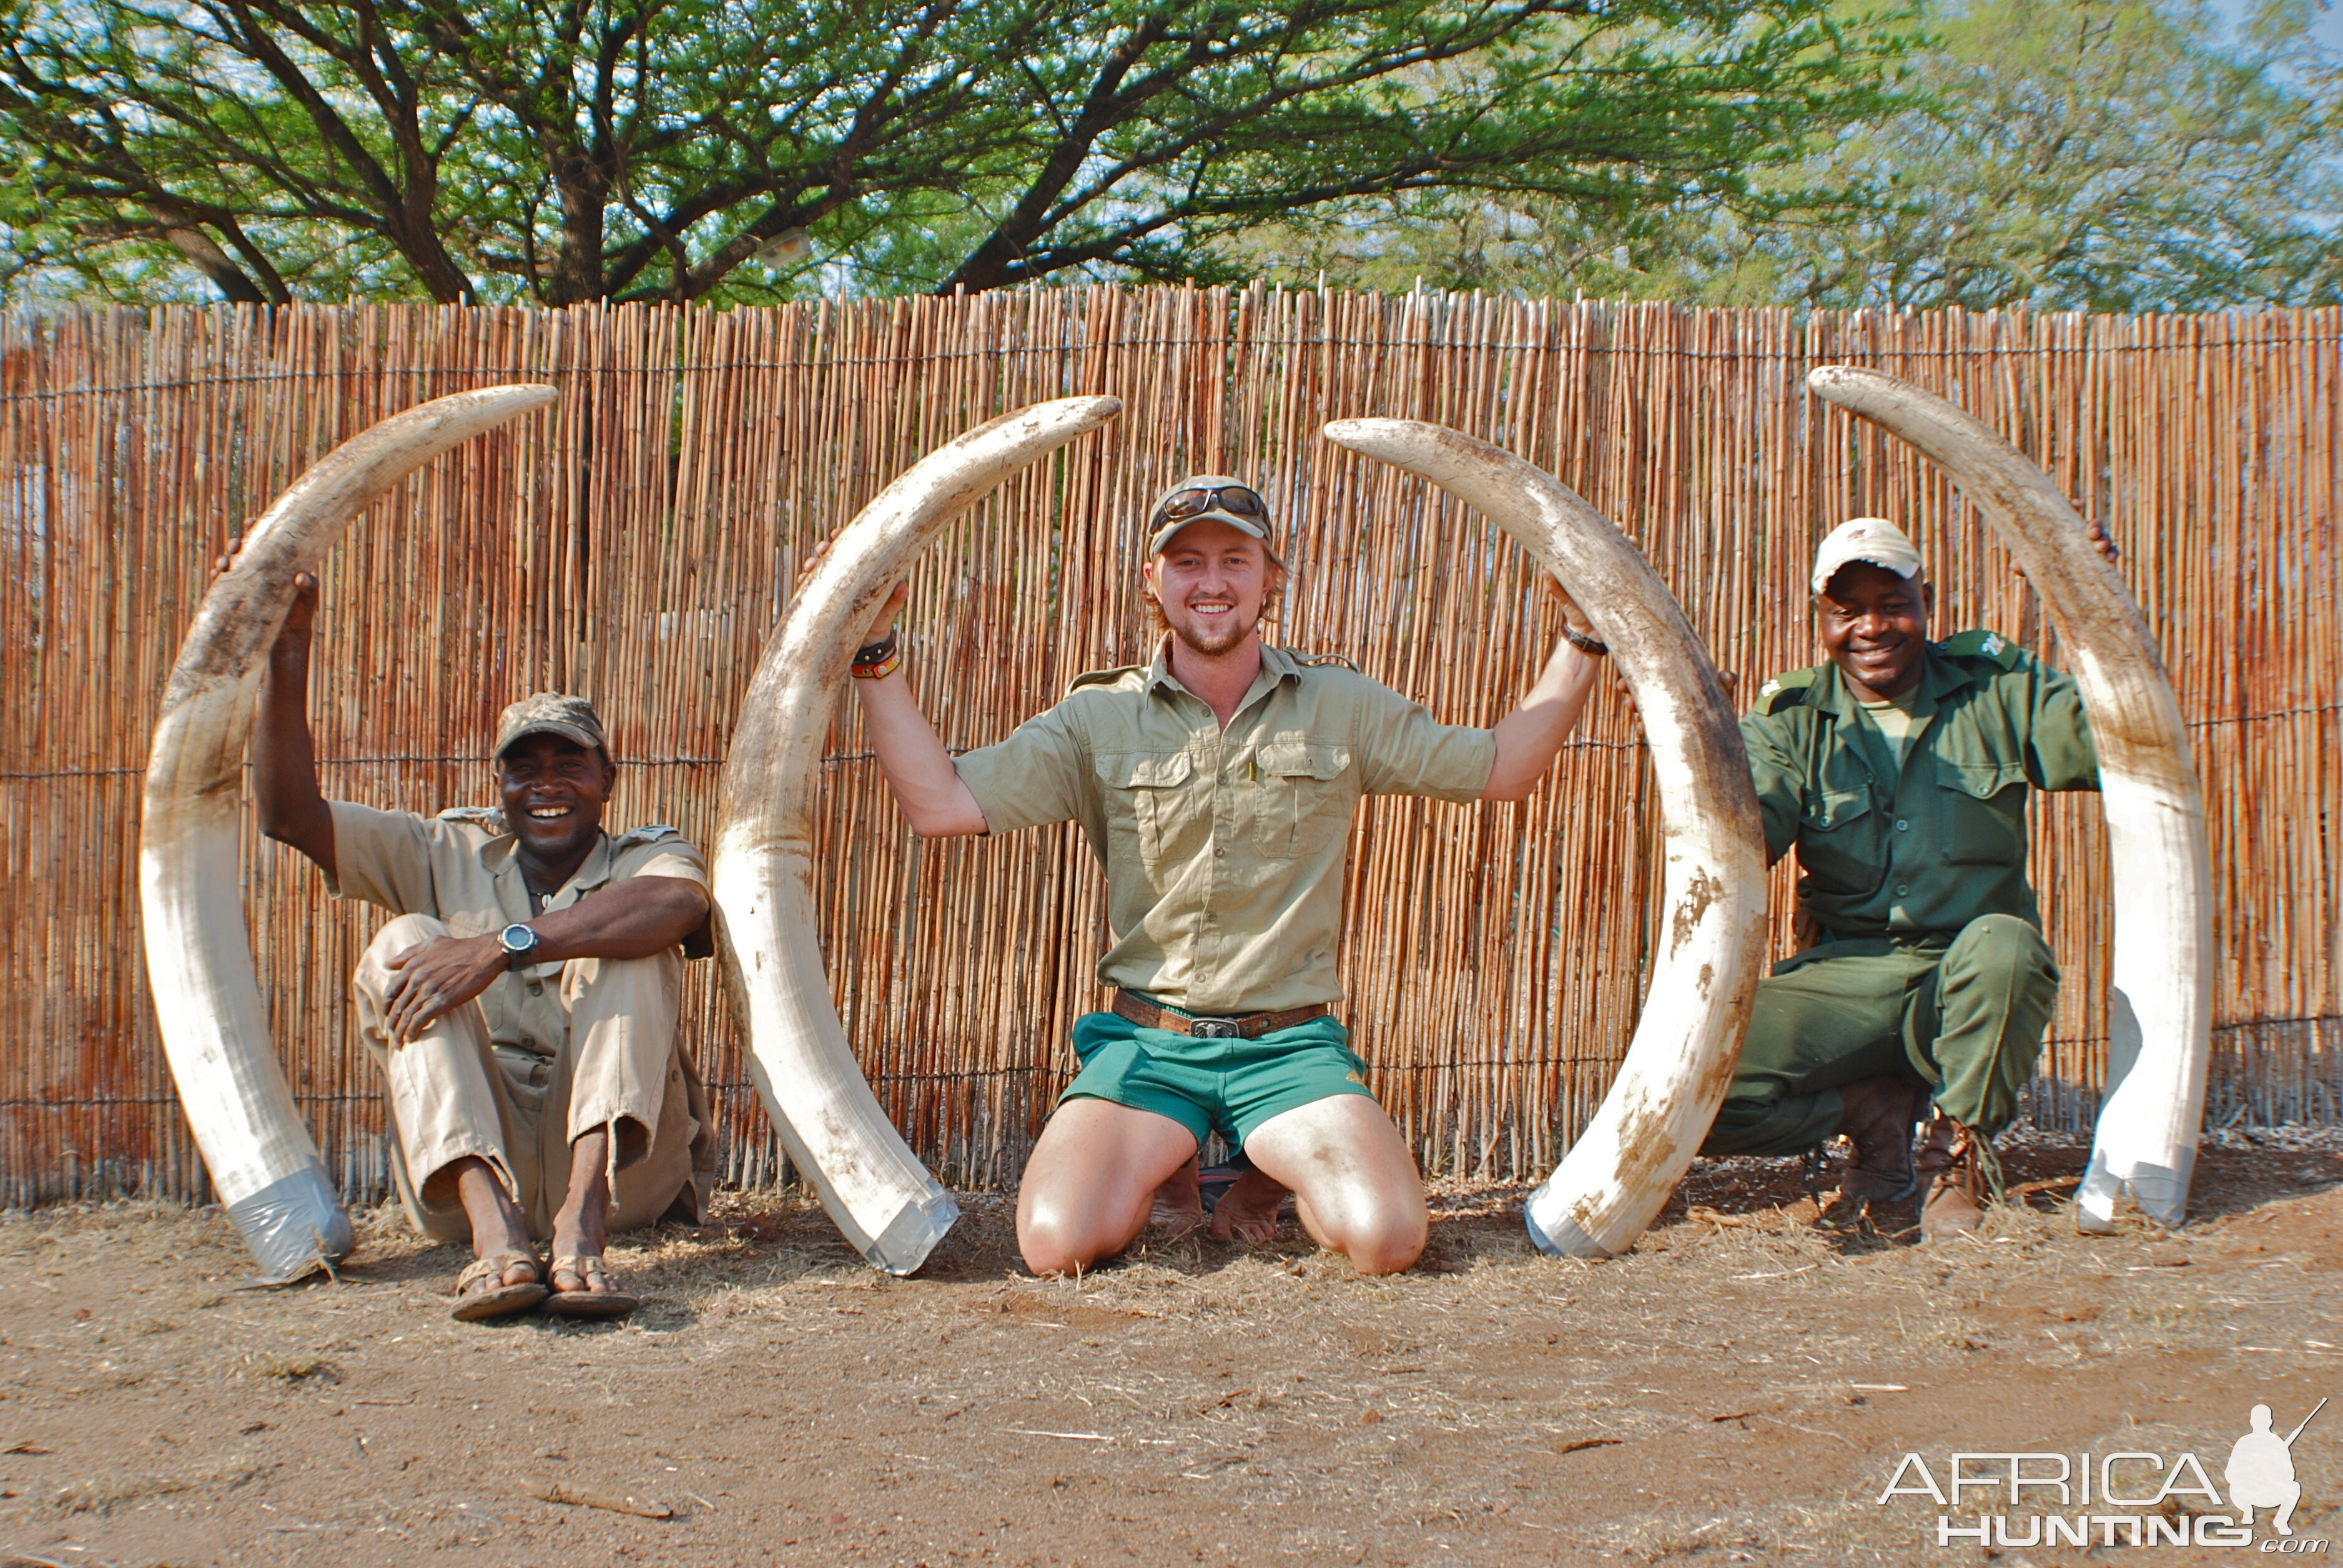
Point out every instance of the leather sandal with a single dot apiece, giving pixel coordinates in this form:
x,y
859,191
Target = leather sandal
x,y
499,1299
584,1298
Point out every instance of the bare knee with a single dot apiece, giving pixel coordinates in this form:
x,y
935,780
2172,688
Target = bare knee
x,y
1061,1229
1092,1177
1053,1241
1386,1247
1380,1233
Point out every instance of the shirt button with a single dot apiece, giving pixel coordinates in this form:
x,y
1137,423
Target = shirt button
x,y
1223,853
537,987
1902,889
1825,819
1902,826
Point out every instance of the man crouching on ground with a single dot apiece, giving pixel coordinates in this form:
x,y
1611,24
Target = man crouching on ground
x,y
1901,769
1216,786
522,1007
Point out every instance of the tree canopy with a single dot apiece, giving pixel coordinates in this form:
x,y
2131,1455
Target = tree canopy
x,y
571,150
2093,155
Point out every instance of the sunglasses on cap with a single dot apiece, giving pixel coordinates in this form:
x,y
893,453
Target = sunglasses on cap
x,y
1234,499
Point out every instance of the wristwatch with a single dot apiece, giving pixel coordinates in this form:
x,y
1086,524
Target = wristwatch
x,y
518,943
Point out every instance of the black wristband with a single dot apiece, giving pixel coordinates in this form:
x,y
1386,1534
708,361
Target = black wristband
x,y
1591,646
876,652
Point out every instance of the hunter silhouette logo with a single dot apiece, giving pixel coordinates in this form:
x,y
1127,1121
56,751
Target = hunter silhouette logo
x,y
2125,1498
2260,1472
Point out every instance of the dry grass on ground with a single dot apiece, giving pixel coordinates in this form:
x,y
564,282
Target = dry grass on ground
x,y
1737,1389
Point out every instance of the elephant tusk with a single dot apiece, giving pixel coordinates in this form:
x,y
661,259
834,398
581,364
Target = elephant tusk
x,y
199,964
1623,1168
875,1189
2160,1004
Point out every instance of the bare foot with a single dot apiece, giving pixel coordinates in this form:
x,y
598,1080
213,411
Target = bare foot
x,y
582,1223
583,1286
1248,1211
1178,1205
497,1225
505,1276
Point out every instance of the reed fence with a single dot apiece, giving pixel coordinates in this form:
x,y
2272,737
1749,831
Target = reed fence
x,y
638,541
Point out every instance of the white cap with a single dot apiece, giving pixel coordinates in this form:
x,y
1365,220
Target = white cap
x,y
1873,540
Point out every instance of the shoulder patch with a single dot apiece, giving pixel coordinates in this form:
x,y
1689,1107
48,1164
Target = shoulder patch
x,y
1787,689
487,817
648,833
1103,677
1986,645
1320,660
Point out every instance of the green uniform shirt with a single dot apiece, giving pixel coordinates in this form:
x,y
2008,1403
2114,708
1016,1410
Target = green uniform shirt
x,y
1223,850
1928,847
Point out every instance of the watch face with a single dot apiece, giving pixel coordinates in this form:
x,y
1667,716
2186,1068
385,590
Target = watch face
x,y
517,939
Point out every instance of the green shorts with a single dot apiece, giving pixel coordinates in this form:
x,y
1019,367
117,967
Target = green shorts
x,y
1224,1086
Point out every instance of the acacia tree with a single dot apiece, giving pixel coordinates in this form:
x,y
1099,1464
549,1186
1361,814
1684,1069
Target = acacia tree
x,y
572,150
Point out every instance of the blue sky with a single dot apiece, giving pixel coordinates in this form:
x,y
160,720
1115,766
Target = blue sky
x,y
2328,28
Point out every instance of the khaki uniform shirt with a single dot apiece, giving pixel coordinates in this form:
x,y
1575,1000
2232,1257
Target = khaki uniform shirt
x,y
1223,850
459,868
1922,850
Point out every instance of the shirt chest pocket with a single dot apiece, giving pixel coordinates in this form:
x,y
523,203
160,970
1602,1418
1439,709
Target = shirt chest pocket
x,y
1839,842
473,913
1982,810
1302,797
1157,801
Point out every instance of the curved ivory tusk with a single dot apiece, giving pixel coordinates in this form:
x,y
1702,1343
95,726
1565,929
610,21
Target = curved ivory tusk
x,y
2161,1006
874,1187
198,956
1623,1168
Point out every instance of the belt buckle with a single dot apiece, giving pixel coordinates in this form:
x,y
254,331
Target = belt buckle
x,y
1214,1028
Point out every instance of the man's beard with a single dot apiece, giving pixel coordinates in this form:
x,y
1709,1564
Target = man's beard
x,y
1216,639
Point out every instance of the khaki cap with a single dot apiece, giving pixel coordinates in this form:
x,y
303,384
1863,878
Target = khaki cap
x,y
552,713
1256,526
1873,540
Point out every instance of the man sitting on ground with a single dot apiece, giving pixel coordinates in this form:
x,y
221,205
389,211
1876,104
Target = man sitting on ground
x,y
522,1007
1899,769
1216,784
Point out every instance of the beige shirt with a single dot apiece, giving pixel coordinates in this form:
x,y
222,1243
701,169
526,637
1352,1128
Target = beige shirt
x,y
459,866
1223,850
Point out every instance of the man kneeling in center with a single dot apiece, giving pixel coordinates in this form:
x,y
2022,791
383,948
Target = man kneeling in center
x,y
522,1006
1217,786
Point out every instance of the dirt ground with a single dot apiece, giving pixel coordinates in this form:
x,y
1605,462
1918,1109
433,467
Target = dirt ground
x,y
1739,1388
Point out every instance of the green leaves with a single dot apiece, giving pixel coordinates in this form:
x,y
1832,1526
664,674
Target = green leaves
x,y
565,150
2092,154
2097,156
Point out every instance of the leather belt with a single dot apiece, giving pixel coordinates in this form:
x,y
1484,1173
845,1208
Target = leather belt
x,y
1241,1026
